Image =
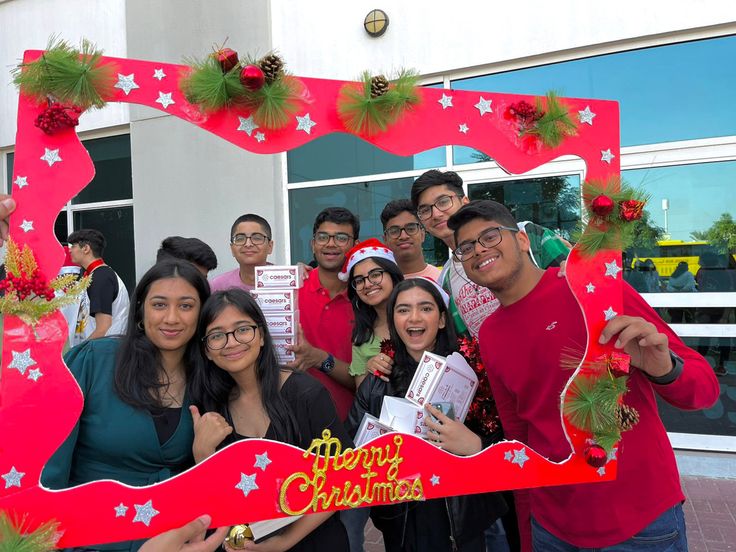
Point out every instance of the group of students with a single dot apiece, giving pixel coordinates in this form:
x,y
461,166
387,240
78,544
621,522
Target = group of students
x,y
196,371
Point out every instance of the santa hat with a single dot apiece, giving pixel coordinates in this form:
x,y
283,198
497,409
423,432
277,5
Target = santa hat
x,y
445,296
364,250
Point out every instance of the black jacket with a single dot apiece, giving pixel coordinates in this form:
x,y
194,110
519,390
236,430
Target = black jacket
x,y
469,515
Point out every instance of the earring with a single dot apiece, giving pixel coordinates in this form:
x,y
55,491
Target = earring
x,y
139,325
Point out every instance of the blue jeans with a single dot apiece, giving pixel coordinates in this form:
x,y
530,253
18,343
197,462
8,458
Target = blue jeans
x,y
354,521
664,534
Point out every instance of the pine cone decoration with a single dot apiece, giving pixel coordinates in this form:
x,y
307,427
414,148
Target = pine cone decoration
x,y
379,86
627,417
272,67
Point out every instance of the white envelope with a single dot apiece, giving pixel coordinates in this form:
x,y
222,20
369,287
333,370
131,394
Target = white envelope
x,y
370,428
403,416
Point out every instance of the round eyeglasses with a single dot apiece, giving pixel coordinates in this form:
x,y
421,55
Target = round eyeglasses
x,y
411,229
375,276
255,238
242,334
490,237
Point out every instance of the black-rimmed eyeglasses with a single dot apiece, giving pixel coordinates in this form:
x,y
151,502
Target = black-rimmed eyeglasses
x,y
340,238
375,277
443,203
490,237
242,334
411,229
256,238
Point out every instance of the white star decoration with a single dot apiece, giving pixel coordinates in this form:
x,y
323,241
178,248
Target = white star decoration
x,y
22,361
51,156
165,99
445,101
247,483
483,106
602,471
159,74
586,116
120,510
518,457
144,513
607,156
34,374
612,454
126,83
26,225
21,181
609,314
305,123
590,288
13,477
435,480
260,137
612,269
262,461
463,128
247,125
508,456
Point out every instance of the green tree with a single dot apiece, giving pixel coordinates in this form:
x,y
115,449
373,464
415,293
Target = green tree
x,y
721,234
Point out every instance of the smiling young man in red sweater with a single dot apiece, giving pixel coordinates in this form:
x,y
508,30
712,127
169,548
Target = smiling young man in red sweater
x,y
522,345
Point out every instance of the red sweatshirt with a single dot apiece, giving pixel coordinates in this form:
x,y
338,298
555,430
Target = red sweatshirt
x,y
521,349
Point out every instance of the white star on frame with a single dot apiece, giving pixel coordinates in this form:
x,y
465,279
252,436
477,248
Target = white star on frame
x,y
305,123
21,181
609,314
601,471
260,137
22,361
120,510
159,74
586,116
247,483
463,128
34,374
612,269
520,457
483,106
435,479
607,156
590,288
145,512
165,99
126,83
262,461
51,156
12,478
26,225
247,125
445,101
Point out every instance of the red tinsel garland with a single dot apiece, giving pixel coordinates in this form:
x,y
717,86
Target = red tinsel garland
x,y
483,416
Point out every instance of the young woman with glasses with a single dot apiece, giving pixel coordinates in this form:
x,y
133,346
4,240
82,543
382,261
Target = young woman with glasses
x,y
244,393
372,273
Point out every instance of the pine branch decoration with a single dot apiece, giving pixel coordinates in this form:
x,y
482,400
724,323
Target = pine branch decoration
x,y
274,105
15,536
206,85
555,124
68,75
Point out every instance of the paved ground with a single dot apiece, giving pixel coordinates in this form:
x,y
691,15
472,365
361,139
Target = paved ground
x,y
710,512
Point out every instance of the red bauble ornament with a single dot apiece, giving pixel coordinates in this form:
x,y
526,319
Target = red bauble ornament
x,y
631,209
596,456
227,58
252,77
602,205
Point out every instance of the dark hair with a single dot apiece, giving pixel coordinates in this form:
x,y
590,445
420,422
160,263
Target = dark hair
x,y
193,250
446,343
251,217
212,387
138,365
395,208
365,315
87,236
680,269
483,209
436,178
337,215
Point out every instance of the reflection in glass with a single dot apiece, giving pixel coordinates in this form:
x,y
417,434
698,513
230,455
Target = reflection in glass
x,y
365,199
552,201
113,171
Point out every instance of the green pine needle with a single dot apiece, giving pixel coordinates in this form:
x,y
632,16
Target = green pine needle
x,y
207,86
69,75
275,103
588,408
555,125
14,536
608,439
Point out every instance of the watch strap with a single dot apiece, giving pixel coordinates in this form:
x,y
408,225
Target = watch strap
x,y
677,366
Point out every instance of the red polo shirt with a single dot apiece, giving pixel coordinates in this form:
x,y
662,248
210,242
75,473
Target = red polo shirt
x,y
328,324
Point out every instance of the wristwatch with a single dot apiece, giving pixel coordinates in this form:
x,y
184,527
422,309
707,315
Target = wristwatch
x,y
672,375
328,364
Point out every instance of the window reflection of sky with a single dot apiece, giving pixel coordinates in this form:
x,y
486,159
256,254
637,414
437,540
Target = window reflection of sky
x,y
697,194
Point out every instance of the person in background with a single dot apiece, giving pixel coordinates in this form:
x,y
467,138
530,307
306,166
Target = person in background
x,y
103,308
193,250
250,244
538,307
404,235
681,281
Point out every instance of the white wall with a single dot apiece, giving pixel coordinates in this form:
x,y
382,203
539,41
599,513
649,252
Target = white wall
x,y
28,24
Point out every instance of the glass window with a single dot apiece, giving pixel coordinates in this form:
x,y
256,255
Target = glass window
x,y
666,93
551,201
365,199
113,171
117,226
686,241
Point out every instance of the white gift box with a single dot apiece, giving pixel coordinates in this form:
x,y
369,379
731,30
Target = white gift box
x,y
282,325
370,428
440,379
403,416
284,277
276,300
